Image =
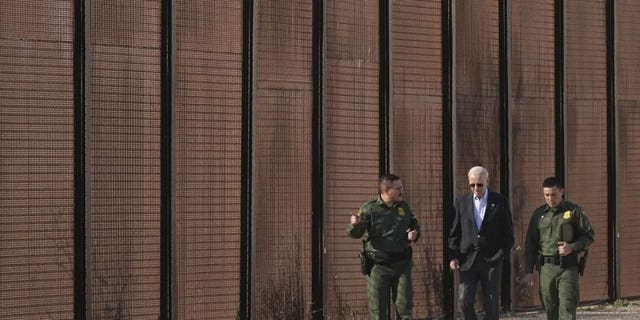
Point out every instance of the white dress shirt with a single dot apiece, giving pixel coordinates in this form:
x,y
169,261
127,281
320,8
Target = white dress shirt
x,y
479,208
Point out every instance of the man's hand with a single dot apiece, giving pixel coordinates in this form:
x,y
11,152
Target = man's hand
x,y
355,219
454,265
531,278
412,235
564,248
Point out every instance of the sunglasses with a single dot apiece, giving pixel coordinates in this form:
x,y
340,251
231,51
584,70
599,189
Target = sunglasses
x,y
473,185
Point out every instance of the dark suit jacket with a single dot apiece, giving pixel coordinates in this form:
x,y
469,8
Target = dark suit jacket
x,y
494,239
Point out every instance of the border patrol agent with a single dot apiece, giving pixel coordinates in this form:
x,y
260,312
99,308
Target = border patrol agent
x,y
558,237
390,226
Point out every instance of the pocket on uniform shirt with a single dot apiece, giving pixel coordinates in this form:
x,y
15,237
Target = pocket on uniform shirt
x,y
545,227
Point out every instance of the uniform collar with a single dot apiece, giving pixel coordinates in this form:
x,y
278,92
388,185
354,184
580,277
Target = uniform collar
x,y
381,202
556,209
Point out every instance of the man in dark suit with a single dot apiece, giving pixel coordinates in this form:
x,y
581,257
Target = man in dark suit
x,y
481,236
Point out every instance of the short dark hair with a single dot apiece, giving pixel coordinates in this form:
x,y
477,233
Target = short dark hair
x,y
552,182
387,179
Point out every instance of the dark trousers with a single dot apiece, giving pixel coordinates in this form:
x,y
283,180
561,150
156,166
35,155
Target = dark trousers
x,y
488,275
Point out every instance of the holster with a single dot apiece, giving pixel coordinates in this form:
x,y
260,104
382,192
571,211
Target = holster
x,y
366,263
538,261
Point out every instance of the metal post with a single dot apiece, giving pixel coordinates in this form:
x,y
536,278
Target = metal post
x,y
80,187
167,160
447,152
505,147
384,94
317,267
244,311
559,90
612,159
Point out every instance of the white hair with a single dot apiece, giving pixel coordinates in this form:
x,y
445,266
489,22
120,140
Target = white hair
x,y
479,171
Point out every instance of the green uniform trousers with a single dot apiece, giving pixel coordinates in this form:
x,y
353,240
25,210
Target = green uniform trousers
x,y
395,279
559,291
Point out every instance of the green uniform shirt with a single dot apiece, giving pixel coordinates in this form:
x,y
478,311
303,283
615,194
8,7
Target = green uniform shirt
x,y
385,226
545,231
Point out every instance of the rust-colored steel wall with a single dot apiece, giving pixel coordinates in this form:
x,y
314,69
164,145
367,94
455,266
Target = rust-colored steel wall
x,y
281,258
351,142
416,139
532,122
586,128
476,93
124,149
123,146
208,135
627,82
36,160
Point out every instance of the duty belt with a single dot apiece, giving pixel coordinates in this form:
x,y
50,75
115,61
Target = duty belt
x,y
564,262
551,259
392,257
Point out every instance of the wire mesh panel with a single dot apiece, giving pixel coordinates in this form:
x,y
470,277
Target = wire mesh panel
x,y
586,116
281,257
532,122
36,160
476,93
477,124
628,145
208,136
124,148
352,160
417,138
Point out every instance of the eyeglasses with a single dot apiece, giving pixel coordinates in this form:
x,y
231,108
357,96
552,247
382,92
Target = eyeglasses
x,y
473,185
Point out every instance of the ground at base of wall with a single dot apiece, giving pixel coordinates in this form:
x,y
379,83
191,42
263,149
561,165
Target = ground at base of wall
x,y
622,310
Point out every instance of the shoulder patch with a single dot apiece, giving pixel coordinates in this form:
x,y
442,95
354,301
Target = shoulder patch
x,y
359,212
567,215
401,211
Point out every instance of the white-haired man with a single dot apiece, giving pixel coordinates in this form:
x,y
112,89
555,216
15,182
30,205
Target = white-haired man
x,y
481,236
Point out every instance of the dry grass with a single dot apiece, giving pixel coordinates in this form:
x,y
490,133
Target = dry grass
x,y
622,310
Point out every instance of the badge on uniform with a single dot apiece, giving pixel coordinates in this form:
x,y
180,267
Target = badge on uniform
x,y
401,212
567,215
359,212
